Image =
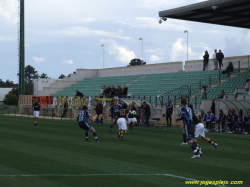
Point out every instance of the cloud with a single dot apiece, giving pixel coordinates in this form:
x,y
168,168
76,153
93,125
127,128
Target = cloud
x,y
213,32
84,20
121,53
67,62
153,23
27,45
155,58
9,11
6,38
39,59
163,4
179,52
84,32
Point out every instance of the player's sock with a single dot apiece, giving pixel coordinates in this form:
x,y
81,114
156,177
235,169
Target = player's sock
x,y
87,135
95,135
195,148
211,142
184,137
111,127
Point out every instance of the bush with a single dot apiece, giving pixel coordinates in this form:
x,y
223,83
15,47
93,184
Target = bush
x,y
10,99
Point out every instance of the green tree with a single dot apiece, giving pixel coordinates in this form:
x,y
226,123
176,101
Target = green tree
x,y
61,76
10,99
43,75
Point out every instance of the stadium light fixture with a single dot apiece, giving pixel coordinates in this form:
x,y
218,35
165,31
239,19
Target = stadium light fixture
x,y
103,54
186,31
141,50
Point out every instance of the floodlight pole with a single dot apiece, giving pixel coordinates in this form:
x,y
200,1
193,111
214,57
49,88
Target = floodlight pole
x,y
186,31
21,85
141,50
103,54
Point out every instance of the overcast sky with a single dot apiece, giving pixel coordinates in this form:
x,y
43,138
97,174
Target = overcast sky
x,y
65,35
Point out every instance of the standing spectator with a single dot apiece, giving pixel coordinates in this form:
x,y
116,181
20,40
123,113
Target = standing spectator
x,y
107,90
213,107
219,57
147,112
205,61
99,110
215,60
113,90
102,90
65,108
125,91
230,68
119,91
222,94
169,112
79,94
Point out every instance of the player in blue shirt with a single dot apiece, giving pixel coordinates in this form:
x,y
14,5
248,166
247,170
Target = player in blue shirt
x,y
114,110
83,118
186,115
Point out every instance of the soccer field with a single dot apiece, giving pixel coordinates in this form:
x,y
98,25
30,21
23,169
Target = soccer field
x,y
54,154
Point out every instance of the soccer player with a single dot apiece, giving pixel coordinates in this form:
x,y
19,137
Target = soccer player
x,y
122,121
187,117
99,110
115,108
83,118
36,106
210,120
200,131
131,117
169,112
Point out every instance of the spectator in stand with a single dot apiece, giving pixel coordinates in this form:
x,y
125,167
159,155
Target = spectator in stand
x,y
169,112
107,90
65,108
125,91
80,94
102,90
205,61
99,110
119,91
230,68
222,94
229,120
239,123
147,112
113,90
215,60
213,106
221,121
219,57
248,122
210,120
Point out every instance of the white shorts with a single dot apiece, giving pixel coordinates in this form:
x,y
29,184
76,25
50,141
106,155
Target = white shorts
x,y
199,130
131,120
36,114
122,124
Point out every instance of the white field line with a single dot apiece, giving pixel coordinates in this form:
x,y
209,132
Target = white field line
x,y
89,175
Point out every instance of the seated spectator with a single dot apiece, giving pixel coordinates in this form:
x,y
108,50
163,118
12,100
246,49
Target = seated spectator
x,y
222,94
80,94
230,68
125,91
240,123
248,122
221,121
210,121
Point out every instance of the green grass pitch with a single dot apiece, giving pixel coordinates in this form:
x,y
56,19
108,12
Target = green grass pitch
x,y
54,154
